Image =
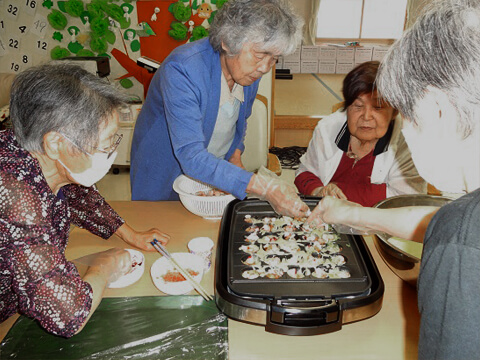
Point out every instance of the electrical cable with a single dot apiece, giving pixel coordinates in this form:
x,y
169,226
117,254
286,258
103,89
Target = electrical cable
x,y
289,156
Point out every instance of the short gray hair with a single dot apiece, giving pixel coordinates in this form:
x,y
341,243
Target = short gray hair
x,y
271,23
441,50
64,98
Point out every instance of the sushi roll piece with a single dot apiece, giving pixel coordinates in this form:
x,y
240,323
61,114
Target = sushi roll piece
x,y
250,274
249,249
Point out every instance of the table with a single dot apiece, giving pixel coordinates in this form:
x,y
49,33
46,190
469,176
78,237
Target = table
x,y
391,334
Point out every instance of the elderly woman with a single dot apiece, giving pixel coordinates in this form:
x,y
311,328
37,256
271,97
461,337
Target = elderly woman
x,y
431,75
359,153
194,117
64,140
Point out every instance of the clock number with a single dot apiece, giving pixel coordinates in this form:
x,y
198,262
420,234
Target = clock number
x,y
15,67
12,9
13,43
25,59
22,29
42,45
31,3
40,24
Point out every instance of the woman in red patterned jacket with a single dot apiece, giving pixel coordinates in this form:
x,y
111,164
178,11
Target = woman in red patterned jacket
x,y
64,140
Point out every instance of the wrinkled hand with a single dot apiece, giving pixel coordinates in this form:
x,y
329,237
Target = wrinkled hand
x,y
330,189
113,263
281,195
142,239
331,210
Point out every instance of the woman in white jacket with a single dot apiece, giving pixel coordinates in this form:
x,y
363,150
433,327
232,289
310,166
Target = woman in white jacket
x,y
359,153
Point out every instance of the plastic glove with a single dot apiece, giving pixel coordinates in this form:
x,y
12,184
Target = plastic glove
x,y
113,263
340,214
281,195
329,190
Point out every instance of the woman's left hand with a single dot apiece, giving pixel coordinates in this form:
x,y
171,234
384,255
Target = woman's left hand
x,y
141,239
236,159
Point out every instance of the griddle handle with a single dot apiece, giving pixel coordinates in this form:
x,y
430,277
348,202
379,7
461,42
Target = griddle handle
x,y
304,317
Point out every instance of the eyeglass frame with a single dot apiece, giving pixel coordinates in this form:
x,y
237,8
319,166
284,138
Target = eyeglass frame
x,y
112,148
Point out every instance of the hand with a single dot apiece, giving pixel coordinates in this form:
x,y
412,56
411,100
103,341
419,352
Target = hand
x,y
331,210
142,239
330,189
281,195
112,263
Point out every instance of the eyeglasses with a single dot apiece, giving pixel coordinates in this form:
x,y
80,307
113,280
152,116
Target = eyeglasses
x,y
112,148
109,151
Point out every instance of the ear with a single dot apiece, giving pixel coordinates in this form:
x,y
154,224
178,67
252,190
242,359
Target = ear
x,y
225,48
52,144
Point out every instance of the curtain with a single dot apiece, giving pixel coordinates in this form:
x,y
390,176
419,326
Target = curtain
x,y
310,30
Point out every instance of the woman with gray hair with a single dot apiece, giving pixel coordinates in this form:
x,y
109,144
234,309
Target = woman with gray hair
x,y
431,75
64,139
194,117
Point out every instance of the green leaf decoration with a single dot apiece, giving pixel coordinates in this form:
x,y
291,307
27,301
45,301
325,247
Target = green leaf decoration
x,y
57,20
194,5
85,52
99,26
74,7
178,31
57,36
98,44
110,37
47,4
124,23
212,16
114,11
220,3
105,55
126,83
75,47
61,5
59,52
181,12
95,10
135,45
198,33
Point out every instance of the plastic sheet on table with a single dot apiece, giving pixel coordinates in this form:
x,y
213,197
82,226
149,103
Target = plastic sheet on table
x,y
164,327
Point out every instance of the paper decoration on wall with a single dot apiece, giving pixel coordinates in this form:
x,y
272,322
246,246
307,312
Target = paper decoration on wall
x,y
57,36
178,31
130,35
127,10
47,4
72,7
155,12
142,75
57,20
146,30
59,52
205,11
180,11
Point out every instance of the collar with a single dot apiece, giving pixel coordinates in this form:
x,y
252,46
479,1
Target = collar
x,y
228,96
343,139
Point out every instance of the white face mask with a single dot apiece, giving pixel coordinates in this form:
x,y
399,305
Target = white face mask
x,y
100,166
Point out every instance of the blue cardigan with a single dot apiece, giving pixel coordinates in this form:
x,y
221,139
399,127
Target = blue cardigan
x,y
176,123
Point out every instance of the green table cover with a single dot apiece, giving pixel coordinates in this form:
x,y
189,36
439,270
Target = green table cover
x,y
170,327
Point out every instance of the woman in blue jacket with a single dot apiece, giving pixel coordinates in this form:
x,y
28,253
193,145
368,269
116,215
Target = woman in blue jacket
x,y
194,117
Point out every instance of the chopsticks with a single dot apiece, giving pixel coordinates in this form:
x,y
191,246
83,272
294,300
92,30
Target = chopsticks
x,y
162,250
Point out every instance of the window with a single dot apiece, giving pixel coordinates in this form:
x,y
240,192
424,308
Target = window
x,y
361,19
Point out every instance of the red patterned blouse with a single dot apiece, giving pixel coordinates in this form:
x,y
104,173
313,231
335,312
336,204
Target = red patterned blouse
x,y
35,278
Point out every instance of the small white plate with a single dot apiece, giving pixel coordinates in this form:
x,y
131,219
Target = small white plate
x,y
138,267
162,266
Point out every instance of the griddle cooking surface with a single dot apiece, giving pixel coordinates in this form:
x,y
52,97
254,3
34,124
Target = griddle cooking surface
x,y
286,287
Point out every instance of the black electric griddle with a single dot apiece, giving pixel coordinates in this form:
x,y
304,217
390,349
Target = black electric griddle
x,y
306,306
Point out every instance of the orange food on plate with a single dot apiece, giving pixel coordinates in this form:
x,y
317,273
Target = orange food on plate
x,y
175,276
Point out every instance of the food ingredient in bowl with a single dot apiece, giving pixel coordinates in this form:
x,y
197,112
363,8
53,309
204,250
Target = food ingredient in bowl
x,y
175,276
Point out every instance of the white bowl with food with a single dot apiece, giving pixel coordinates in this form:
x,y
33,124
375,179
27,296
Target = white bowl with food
x,y
168,279
135,273
201,199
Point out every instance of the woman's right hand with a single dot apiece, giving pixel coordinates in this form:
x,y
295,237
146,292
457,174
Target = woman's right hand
x,y
112,263
331,210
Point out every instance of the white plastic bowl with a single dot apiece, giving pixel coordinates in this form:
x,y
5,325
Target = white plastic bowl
x,y
162,266
208,207
138,267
